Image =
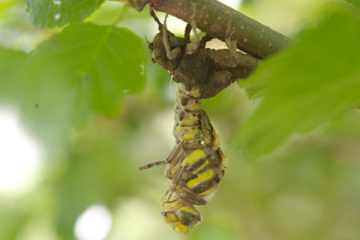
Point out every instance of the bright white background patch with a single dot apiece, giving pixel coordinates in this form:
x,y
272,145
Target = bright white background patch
x,y
93,224
19,155
232,3
136,219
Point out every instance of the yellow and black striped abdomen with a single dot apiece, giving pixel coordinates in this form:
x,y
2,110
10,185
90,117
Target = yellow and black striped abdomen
x,y
204,171
195,166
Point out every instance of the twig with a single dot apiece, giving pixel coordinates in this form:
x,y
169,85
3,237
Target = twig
x,y
222,22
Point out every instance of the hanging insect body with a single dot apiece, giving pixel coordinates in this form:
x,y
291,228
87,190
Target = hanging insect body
x,y
195,165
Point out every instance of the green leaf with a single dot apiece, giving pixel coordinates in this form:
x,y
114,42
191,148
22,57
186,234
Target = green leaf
x,y
82,71
311,83
355,2
10,61
5,5
50,13
16,219
106,62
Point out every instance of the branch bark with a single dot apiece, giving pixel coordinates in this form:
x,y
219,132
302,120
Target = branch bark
x,y
222,22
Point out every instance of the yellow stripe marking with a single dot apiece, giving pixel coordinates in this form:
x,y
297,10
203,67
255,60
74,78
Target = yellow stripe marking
x,y
204,165
171,218
178,129
189,210
200,178
189,136
189,120
193,157
190,133
181,228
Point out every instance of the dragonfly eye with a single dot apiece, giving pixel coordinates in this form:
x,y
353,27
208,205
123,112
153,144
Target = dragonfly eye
x,y
186,219
189,218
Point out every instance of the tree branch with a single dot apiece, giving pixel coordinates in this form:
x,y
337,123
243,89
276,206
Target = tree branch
x,y
222,22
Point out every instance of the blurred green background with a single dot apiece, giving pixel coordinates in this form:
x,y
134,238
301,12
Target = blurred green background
x,y
82,107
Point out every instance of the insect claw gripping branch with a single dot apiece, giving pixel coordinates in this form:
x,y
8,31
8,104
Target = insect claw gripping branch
x,y
195,165
209,70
